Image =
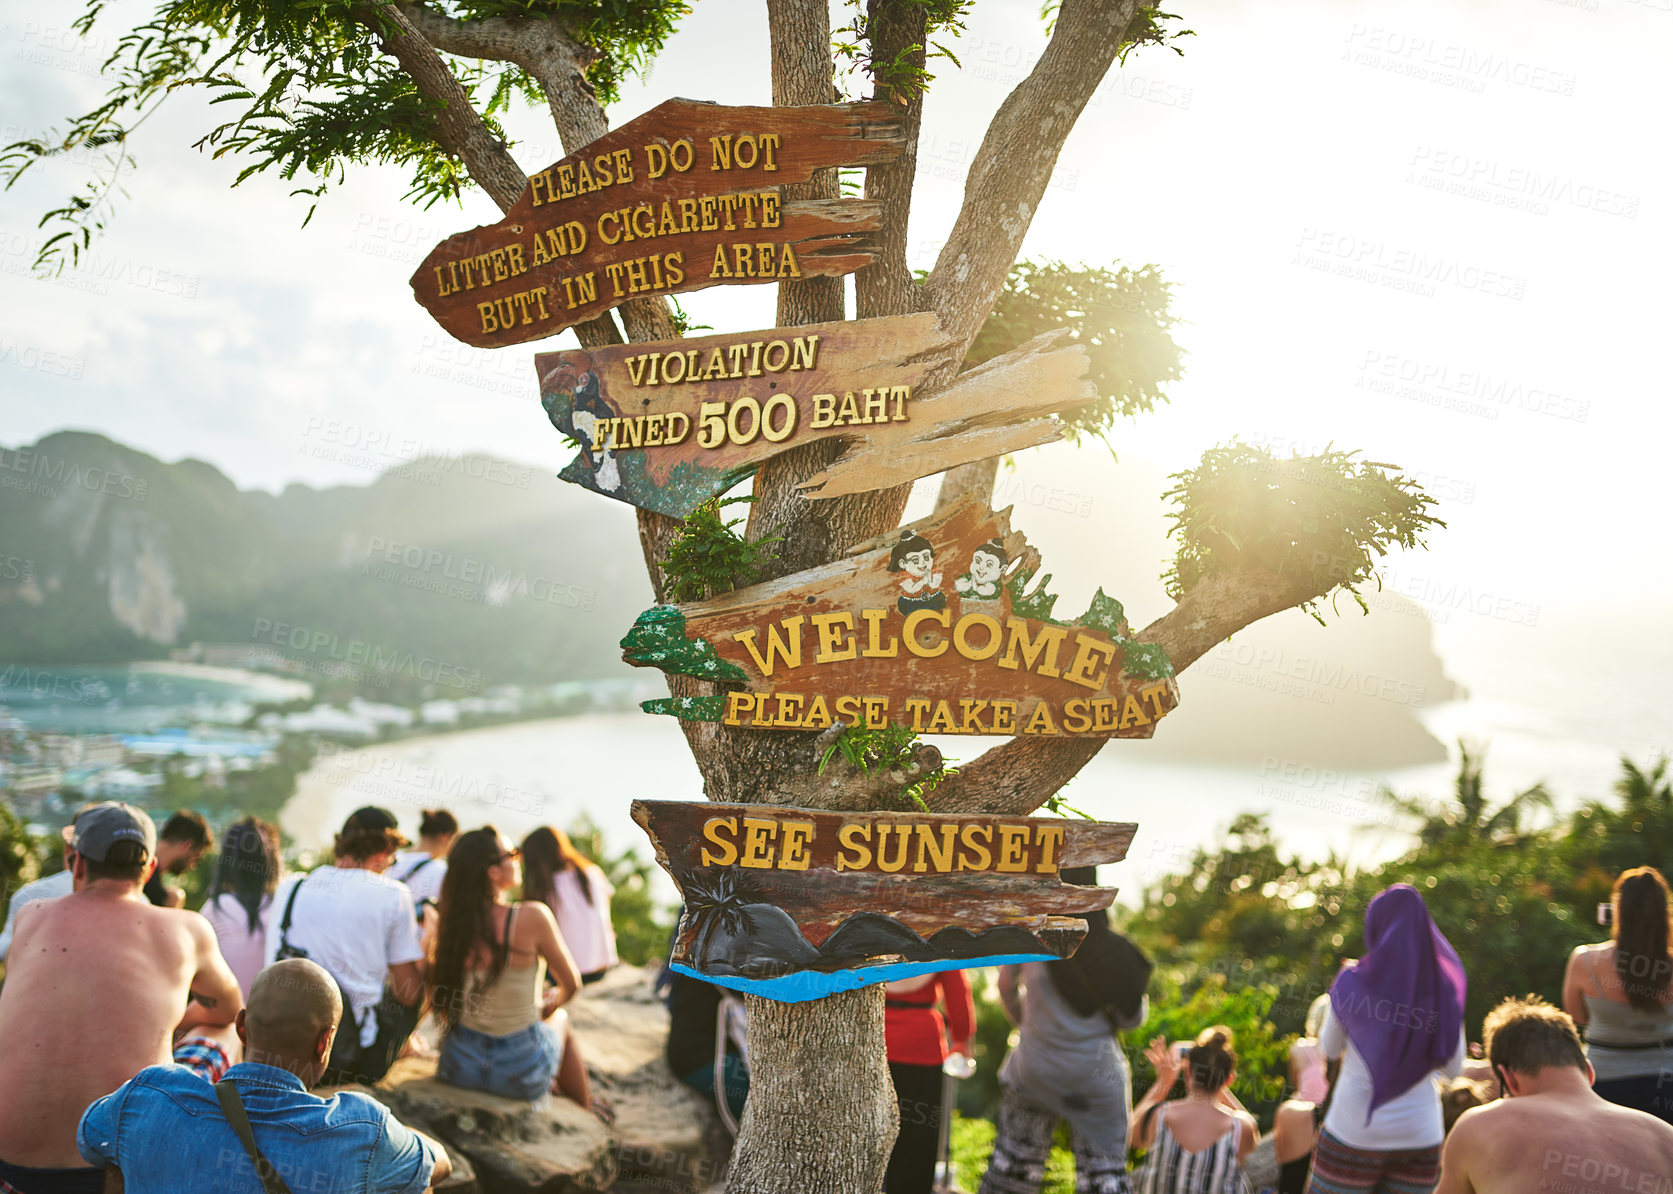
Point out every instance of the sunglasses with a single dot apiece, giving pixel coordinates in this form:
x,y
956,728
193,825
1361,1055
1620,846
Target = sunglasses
x,y
509,854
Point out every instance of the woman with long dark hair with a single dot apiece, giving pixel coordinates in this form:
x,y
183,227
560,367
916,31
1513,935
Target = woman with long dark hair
x,y
1396,1019
575,889
1621,992
240,901
501,1034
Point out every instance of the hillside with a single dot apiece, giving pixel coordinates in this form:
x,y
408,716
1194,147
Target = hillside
x,y
470,564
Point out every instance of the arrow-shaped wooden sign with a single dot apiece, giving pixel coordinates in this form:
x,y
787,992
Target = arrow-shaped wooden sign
x,y
685,197
666,426
795,903
929,628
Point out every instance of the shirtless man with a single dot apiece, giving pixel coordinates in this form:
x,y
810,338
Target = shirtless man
x,y
1551,1131
96,985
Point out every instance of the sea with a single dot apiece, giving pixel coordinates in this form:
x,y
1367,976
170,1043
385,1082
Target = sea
x,y
135,698
1563,715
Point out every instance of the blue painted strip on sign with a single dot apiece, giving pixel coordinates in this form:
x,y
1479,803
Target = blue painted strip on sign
x,y
816,984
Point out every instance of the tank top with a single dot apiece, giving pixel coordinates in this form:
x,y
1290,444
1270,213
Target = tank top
x,y
1169,1169
511,1002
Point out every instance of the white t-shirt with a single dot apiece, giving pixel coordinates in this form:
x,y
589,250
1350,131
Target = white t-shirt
x,y
244,951
1409,1120
585,926
421,873
59,884
355,923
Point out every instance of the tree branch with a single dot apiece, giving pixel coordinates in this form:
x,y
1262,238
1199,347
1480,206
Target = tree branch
x,y
886,286
1010,172
1016,777
459,127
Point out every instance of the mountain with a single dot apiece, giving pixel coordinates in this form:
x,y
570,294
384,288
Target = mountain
x,y
460,567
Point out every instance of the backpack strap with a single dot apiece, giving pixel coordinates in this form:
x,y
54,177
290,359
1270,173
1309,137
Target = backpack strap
x,y
416,867
290,906
233,1108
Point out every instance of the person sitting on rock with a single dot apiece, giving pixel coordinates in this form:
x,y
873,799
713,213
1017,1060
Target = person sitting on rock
x,y
359,924
99,985
502,1035
164,1130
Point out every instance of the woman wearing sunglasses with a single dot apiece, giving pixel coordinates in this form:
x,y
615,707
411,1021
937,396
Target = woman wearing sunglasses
x,y
503,1035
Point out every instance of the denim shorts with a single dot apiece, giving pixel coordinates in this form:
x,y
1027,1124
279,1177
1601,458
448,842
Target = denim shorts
x,y
519,1066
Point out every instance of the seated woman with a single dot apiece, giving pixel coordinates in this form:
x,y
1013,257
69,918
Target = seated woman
x,y
1295,1131
1307,1060
1196,1145
501,1035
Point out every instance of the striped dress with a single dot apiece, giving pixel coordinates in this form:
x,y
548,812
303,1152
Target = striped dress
x,y
1169,1169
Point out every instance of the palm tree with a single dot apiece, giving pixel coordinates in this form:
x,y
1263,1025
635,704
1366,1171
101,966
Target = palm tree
x,y
1645,792
1470,819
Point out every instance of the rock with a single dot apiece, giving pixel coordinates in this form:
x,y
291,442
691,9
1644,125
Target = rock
x,y
664,1130
666,1137
514,1147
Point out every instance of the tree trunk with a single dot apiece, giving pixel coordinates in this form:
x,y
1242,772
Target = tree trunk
x,y
821,1111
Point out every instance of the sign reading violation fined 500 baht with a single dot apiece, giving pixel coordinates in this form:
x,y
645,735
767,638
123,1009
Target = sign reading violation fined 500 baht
x,y
665,426
929,627
686,196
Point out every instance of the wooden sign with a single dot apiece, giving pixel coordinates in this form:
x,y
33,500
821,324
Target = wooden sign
x,y
928,627
666,426
685,197
796,903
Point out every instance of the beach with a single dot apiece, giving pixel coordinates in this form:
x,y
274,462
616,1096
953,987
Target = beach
x,y
558,770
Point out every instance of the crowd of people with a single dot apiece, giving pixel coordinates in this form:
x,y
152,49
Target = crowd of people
x,y
470,947
1388,1095
288,984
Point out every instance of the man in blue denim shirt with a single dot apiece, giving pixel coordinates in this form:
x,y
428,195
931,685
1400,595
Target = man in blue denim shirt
x,y
165,1132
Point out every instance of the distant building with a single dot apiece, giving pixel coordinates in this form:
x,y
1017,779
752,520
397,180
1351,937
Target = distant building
x,y
34,781
439,713
122,783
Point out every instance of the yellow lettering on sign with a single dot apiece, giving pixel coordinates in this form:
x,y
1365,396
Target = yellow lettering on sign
x,y
901,833
1039,654
1041,722
858,839
711,831
1091,662
940,851
916,619
1013,839
974,855
758,837
794,837
787,647
1048,838
836,637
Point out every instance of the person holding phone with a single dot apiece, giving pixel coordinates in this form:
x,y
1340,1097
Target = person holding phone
x,y
1621,992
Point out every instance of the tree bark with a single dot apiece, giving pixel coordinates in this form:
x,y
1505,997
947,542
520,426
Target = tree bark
x,y
821,1112
458,126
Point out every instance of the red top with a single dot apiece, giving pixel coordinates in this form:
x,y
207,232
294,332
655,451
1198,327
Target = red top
x,y
916,1033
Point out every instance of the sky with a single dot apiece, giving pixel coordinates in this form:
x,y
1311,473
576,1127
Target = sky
x,y
1434,232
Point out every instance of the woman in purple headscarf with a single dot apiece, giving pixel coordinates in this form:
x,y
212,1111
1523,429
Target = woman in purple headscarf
x,y
1396,1019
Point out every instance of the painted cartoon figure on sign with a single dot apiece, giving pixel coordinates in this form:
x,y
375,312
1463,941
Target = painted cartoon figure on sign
x,y
920,588
981,583
587,408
